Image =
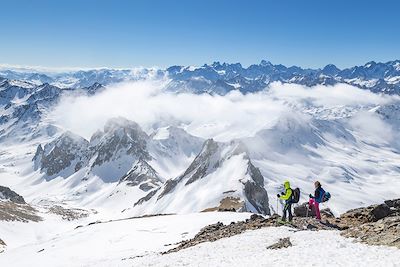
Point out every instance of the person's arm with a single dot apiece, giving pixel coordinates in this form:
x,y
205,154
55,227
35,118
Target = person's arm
x,y
287,194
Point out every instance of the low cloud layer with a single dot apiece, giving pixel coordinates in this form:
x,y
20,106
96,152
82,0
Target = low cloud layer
x,y
222,117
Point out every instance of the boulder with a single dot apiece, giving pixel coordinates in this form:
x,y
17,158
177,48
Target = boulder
x,y
303,211
394,203
379,212
282,243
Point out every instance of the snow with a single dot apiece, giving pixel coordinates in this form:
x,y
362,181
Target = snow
x,y
138,242
310,248
161,133
235,85
106,244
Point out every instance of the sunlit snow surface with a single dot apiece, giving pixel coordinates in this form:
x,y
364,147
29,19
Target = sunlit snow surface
x,y
138,242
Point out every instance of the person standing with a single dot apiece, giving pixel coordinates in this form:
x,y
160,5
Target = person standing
x,y
316,199
287,196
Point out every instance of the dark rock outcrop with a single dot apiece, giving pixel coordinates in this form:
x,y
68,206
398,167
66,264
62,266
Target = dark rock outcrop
x,y
2,245
8,194
67,151
142,175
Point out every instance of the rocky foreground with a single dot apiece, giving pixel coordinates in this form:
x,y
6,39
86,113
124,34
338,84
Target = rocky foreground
x,y
373,225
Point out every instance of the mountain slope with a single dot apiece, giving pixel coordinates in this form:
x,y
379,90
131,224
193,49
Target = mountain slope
x,y
221,177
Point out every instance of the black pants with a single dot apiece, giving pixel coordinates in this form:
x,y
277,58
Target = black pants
x,y
287,209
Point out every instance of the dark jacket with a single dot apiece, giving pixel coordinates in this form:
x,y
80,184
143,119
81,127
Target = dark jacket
x,y
319,194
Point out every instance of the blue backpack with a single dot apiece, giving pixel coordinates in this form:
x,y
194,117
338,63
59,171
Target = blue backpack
x,y
326,196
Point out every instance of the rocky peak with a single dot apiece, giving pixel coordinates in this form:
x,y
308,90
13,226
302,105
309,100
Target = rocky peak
x,y
67,151
120,137
240,183
94,88
330,69
142,175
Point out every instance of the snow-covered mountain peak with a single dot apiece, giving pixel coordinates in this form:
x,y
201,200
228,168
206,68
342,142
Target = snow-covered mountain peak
x,y
220,177
63,156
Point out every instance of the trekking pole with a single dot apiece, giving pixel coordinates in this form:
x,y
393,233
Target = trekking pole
x,y
307,210
277,205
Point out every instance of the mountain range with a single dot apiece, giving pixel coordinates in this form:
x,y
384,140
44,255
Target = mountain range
x,y
220,78
126,169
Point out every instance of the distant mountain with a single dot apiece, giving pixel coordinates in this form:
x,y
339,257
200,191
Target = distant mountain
x,y
220,78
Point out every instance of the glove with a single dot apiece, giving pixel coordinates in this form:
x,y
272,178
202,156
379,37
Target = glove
x,y
310,196
278,195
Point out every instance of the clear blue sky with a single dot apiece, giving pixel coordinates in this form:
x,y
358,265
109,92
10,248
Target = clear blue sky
x,y
91,33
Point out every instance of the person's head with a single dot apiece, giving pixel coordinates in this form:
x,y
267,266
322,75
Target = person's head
x,y
317,184
286,184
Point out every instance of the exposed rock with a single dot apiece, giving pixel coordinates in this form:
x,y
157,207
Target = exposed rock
x,y
168,187
122,141
395,203
147,197
228,204
7,194
67,151
120,137
198,168
217,231
371,213
2,245
255,191
142,175
383,232
11,211
379,212
374,225
69,214
282,243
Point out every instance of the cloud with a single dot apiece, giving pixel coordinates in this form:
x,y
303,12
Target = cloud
x,y
328,96
222,117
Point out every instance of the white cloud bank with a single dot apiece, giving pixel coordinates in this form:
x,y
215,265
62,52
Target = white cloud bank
x,y
221,117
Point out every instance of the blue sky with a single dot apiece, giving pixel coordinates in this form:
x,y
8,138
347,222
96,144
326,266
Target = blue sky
x,y
90,33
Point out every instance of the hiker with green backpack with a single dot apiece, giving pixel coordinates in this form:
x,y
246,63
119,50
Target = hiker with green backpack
x,y
290,196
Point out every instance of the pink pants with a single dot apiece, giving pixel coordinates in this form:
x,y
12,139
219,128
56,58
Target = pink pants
x,y
314,203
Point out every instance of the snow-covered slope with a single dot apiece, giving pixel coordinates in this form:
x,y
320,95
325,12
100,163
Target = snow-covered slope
x,y
138,242
221,177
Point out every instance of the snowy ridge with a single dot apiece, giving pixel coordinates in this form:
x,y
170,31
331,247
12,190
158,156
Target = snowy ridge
x,y
220,177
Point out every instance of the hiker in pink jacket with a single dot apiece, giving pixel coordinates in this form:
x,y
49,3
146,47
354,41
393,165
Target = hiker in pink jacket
x,y
316,199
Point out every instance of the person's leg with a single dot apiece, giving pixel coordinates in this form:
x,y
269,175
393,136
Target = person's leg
x,y
290,212
310,203
317,212
284,212
311,206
